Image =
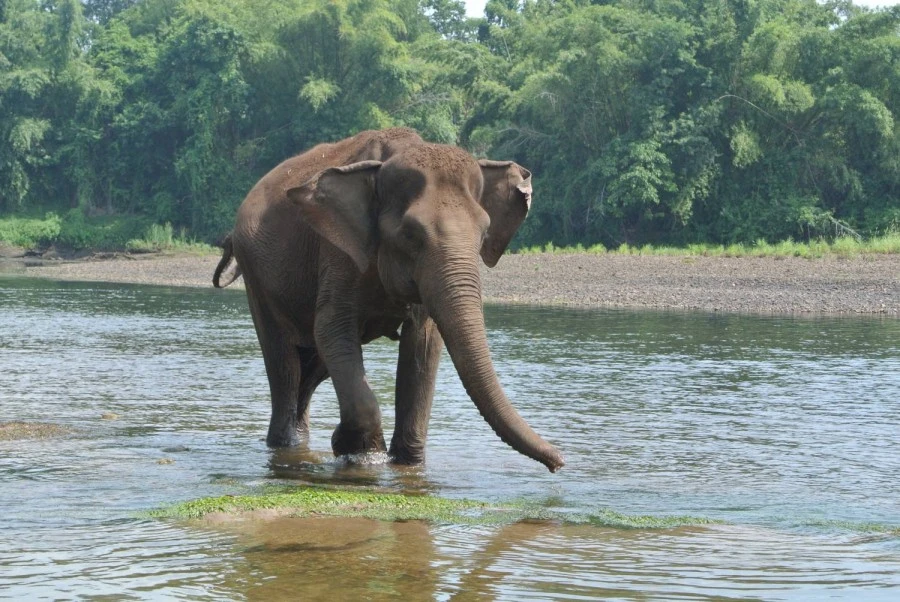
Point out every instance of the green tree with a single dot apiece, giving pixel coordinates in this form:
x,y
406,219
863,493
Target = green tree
x,y
51,99
101,11
812,142
602,98
643,120
24,77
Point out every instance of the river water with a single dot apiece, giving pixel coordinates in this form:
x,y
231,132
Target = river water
x,y
783,428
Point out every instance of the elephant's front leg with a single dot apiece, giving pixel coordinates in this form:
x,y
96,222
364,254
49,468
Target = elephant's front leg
x,y
337,338
420,352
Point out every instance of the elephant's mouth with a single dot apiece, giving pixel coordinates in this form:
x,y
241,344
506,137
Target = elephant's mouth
x,y
415,296
404,290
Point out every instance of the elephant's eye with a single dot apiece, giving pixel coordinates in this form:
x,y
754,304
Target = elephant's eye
x,y
410,234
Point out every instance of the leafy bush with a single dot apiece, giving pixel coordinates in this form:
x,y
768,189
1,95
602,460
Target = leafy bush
x,y
30,232
103,233
163,238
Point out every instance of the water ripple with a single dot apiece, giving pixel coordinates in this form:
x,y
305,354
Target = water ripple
x,y
783,427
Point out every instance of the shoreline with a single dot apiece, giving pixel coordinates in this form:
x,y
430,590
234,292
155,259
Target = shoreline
x,y
865,284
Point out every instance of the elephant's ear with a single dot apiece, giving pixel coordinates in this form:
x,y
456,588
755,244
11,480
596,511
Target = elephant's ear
x,y
339,205
506,198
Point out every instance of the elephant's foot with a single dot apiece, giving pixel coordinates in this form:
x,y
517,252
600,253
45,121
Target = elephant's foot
x,y
283,440
356,441
287,437
406,453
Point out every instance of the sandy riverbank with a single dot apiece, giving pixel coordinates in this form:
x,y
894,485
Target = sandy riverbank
x,y
861,285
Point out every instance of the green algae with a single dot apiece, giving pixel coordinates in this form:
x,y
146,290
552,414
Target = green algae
x,y
317,501
312,501
890,530
611,518
14,431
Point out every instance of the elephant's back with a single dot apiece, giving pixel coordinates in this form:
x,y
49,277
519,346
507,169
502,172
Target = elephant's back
x,y
267,212
377,145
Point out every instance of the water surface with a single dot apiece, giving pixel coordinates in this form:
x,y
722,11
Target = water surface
x,y
784,428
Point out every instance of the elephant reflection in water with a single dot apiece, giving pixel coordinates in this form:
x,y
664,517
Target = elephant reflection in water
x,y
359,559
378,235
330,559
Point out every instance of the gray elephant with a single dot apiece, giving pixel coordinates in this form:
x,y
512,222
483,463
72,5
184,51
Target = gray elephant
x,y
378,235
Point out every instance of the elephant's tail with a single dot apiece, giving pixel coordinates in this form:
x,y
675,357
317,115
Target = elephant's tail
x,y
234,271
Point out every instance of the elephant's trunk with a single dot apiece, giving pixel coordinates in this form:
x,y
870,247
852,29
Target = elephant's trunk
x,y
456,307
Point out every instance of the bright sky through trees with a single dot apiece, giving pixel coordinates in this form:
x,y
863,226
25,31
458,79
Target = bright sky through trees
x,y
475,8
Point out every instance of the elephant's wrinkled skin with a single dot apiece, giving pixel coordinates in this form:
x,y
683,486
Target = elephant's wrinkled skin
x,y
356,240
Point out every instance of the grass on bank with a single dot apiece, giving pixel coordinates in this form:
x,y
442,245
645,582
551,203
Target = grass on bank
x,y
318,501
846,246
77,232
163,238
135,234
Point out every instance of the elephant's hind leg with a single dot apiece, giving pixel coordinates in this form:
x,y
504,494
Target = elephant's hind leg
x,y
283,369
312,373
284,372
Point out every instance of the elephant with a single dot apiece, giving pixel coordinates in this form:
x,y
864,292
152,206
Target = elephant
x,y
377,235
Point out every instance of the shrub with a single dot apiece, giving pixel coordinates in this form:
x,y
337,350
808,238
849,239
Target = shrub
x,y
30,232
102,234
163,238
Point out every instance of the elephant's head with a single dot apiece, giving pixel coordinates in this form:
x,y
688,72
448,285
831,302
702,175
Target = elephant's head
x,y
424,217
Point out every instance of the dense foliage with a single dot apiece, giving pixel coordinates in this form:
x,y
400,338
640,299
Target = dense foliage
x,y
666,121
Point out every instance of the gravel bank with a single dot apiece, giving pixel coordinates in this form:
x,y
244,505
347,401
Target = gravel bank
x,y
862,285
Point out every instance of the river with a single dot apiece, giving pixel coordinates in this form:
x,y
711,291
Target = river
x,y
784,429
